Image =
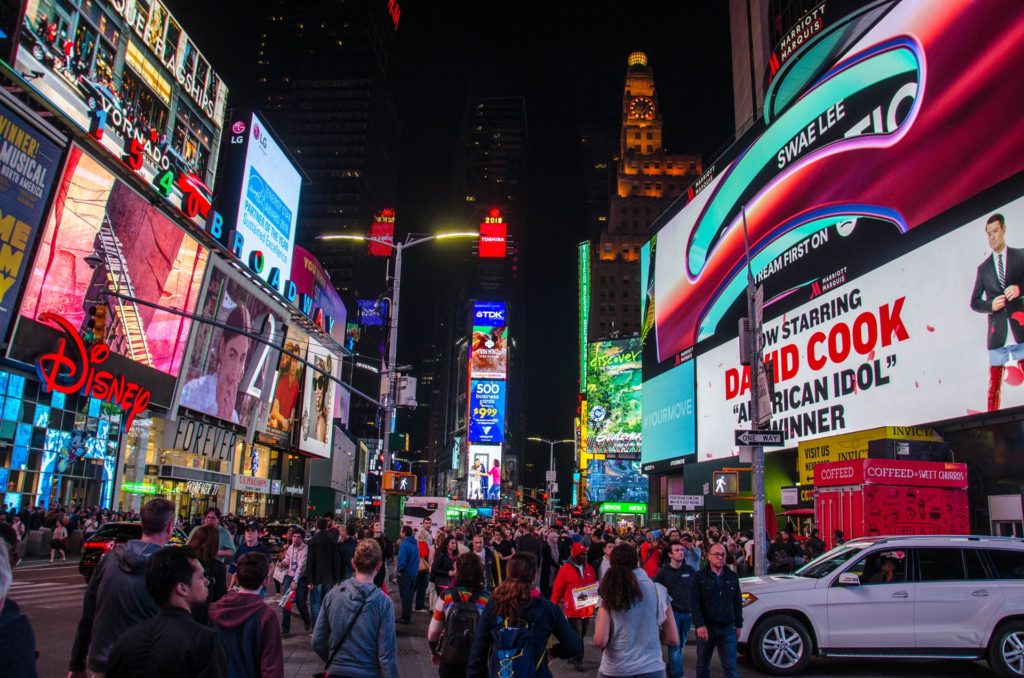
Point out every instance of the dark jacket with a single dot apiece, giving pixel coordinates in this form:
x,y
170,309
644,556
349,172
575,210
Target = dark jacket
x,y
371,645
249,630
348,551
115,601
814,547
169,645
677,580
386,551
714,600
987,288
595,553
217,572
17,643
323,562
528,543
439,569
545,617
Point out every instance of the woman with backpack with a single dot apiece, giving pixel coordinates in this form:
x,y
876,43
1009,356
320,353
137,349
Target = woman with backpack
x,y
443,567
515,626
456,615
635,619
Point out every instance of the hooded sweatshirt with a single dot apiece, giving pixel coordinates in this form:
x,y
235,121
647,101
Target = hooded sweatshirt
x,y
115,600
249,630
371,644
17,642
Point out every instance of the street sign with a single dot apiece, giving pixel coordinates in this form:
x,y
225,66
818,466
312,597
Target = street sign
x,y
760,438
690,501
727,483
707,488
554,487
764,397
550,476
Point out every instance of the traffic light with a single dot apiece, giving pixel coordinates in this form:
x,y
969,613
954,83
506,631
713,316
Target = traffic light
x,y
96,327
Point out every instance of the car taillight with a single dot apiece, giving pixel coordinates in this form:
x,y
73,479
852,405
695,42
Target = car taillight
x,y
105,545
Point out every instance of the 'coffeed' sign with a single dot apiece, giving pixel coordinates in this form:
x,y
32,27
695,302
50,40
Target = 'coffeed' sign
x,y
200,437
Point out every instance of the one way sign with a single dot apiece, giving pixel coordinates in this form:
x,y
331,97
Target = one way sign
x,y
760,438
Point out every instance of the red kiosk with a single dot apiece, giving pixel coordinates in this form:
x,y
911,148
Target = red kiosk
x,y
867,497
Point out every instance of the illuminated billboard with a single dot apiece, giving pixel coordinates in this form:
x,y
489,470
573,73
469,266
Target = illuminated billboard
x,y
100,235
484,478
318,399
669,418
229,373
615,480
489,313
382,233
882,288
316,296
283,410
488,352
259,199
493,235
613,397
486,411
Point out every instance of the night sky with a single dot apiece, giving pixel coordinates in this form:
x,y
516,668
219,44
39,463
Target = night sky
x,y
569,62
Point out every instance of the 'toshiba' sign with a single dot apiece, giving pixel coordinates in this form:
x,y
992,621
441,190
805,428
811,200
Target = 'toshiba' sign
x,y
73,368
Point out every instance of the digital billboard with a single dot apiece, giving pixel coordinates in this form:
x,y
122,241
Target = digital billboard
x,y
382,233
615,480
486,411
489,313
100,235
493,235
669,418
283,410
877,270
484,477
229,373
488,357
29,163
318,398
260,198
316,295
613,397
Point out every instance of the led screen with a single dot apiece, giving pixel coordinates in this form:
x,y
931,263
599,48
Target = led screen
x,y
283,410
613,397
489,352
486,411
102,235
669,418
318,400
484,478
615,480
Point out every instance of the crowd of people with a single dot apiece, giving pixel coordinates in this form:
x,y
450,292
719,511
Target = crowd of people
x,y
496,592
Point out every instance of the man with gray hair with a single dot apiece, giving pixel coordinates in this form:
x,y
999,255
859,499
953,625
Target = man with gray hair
x,y
17,642
116,598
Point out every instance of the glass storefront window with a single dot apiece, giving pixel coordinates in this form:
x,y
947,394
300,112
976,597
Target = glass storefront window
x,y
171,42
141,105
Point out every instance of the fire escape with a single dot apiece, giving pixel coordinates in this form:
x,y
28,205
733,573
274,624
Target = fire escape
x,y
126,334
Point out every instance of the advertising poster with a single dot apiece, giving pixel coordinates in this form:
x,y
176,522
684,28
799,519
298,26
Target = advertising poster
x,y
486,411
317,298
318,400
283,410
484,477
613,397
229,373
488,352
102,235
615,480
29,163
382,232
669,415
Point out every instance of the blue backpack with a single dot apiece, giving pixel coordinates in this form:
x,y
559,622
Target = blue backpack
x,y
513,651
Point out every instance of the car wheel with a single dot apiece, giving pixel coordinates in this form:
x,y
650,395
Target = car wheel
x,y
1006,650
781,646
38,53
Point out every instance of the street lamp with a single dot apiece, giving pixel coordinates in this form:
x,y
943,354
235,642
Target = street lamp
x,y
551,466
411,240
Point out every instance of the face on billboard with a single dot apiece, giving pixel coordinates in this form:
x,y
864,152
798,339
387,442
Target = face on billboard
x,y
615,480
102,235
485,469
318,400
489,352
613,396
229,373
486,411
669,415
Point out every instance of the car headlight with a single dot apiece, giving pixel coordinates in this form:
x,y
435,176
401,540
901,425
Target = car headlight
x,y
748,598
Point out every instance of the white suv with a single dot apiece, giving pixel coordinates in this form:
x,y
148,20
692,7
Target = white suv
x,y
892,597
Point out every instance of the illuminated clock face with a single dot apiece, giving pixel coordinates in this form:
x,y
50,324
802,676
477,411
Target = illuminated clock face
x,y
642,108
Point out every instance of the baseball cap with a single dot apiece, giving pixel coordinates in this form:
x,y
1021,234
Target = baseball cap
x,y
577,549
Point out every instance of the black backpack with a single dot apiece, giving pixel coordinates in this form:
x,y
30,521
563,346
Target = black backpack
x,y
459,630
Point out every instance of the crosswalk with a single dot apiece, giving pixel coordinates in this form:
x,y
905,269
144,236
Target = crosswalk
x,y
47,595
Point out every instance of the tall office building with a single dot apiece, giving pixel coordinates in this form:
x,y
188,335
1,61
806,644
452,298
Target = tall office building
x,y
647,180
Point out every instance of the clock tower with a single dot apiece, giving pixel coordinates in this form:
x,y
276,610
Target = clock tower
x,y
641,116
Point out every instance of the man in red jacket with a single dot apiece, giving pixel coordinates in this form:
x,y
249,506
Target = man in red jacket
x,y
574,575
247,626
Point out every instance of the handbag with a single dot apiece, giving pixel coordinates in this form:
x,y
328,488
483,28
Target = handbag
x,y
344,637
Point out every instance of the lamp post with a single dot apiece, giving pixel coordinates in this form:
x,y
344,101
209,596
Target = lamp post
x,y
551,467
388,401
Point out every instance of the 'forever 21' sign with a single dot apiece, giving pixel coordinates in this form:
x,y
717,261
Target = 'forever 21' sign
x,y
199,437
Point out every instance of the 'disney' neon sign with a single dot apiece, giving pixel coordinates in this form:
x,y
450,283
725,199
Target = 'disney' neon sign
x,y
73,368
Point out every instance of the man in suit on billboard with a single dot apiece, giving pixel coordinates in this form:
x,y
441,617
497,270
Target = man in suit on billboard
x,y
997,292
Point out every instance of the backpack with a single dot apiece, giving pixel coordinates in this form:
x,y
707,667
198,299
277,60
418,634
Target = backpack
x,y
782,557
459,630
513,651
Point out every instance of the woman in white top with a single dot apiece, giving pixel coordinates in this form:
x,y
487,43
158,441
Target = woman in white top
x,y
635,619
58,541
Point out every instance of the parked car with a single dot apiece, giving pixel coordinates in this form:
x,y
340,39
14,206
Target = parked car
x,y
96,92
106,537
949,597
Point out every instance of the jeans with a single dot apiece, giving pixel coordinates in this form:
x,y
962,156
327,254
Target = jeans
x,y
421,589
406,585
316,599
675,652
580,625
300,602
723,638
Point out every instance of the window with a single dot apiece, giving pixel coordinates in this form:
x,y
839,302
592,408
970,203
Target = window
x,y
941,564
875,567
1008,564
636,135
650,135
975,565
650,148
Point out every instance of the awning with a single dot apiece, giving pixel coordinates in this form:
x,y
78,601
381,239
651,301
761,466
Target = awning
x,y
799,512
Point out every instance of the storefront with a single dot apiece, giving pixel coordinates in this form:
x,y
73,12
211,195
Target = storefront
x,y
252,496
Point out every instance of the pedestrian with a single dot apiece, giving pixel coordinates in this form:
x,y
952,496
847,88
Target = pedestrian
x,y
204,541
422,569
456,617
486,557
780,555
529,543
575,574
348,549
294,559
116,598
605,563
676,577
323,565
814,546
387,553
549,562
58,541
515,626
692,554
225,541
171,644
17,640
443,568
355,634
251,544
837,538
408,570
717,609
246,625
635,619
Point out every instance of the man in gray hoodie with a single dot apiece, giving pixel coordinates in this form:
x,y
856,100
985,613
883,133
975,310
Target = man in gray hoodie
x,y
355,631
116,598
